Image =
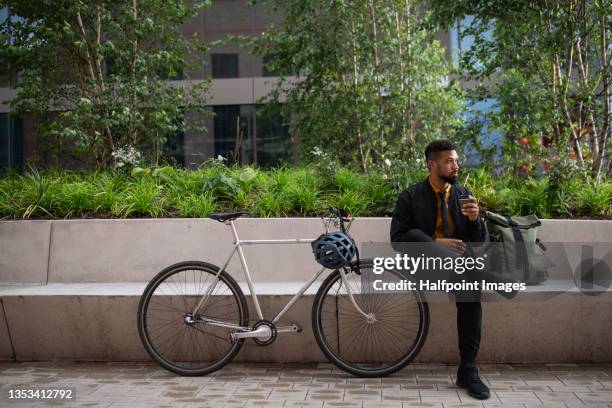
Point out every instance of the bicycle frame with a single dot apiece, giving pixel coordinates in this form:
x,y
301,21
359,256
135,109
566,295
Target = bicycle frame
x,y
238,243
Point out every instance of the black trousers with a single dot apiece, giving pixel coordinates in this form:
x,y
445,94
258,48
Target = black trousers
x,y
468,303
469,325
469,318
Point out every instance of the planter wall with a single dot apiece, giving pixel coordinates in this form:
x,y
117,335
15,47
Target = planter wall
x,y
69,289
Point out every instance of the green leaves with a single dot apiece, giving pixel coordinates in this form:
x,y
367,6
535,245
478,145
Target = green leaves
x,y
549,66
169,192
370,80
103,65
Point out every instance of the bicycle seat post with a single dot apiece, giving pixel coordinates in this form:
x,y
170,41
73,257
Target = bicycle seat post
x,y
231,224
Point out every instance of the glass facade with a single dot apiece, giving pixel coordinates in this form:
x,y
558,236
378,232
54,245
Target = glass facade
x,y
11,141
3,14
9,77
266,71
174,148
493,140
4,79
225,129
477,111
274,143
460,42
248,134
224,65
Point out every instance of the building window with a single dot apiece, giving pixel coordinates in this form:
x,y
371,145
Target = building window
x,y
225,127
274,144
174,150
224,65
11,141
267,72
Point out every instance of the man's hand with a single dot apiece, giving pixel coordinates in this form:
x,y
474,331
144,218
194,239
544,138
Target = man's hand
x,y
471,209
455,245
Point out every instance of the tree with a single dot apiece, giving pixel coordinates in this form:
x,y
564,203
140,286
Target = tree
x,y
372,83
95,73
548,63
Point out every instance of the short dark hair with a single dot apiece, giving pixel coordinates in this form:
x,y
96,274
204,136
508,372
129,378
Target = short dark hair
x,y
432,149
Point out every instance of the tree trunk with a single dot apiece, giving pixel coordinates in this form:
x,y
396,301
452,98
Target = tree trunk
x,y
90,66
603,134
358,138
376,67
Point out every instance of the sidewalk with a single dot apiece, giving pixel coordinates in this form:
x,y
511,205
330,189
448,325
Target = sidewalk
x,y
317,385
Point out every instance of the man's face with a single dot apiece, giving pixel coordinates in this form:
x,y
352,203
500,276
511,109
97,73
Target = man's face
x,y
445,166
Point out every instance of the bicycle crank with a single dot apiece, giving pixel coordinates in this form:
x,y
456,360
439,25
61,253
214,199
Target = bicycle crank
x,y
264,332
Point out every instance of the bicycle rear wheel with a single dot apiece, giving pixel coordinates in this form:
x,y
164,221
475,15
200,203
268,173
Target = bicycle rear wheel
x,y
381,345
176,339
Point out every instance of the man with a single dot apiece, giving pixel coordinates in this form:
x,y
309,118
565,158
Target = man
x,y
429,211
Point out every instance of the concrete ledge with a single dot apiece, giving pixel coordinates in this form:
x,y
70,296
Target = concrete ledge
x,y
567,230
136,249
24,251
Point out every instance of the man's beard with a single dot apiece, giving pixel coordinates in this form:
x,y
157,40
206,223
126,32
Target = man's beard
x,y
452,179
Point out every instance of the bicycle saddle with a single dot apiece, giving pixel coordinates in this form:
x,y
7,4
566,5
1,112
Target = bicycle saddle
x,y
226,216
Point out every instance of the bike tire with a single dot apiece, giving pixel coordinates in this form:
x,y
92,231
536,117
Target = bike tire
x,y
167,299
364,353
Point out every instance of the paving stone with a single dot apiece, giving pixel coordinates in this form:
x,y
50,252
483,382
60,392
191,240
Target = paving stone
x,y
134,385
342,403
382,404
487,404
362,395
595,397
443,400
518,396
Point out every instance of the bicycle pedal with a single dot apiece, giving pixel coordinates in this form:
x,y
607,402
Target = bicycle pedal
x,y
293,328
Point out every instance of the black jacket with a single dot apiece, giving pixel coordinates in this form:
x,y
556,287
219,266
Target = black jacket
x,y
414,216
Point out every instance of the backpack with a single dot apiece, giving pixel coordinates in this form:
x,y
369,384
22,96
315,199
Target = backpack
x,y
516,251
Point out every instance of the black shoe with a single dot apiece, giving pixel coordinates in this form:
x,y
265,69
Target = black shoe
x,y
468,378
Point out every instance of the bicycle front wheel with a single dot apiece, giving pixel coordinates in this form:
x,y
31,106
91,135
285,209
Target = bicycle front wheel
x,y
385,340
180,341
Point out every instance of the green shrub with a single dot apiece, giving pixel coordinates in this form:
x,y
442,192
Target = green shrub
x,y
595,201
76,199
38,196
274,193
140,198
347,180
354,202
269,204
196,205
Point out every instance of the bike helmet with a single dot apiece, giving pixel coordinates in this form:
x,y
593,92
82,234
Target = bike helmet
x,y
334,249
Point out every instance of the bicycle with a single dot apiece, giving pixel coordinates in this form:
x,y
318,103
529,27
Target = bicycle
x,y
193,316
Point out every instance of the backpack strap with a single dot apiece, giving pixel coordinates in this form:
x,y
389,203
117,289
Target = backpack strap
x,y
521,247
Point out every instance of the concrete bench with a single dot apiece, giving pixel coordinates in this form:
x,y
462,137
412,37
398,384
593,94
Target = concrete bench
x,y
70,290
